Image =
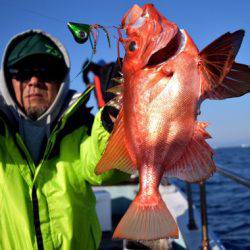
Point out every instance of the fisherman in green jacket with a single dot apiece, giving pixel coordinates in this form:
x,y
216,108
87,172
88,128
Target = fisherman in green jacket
x,y
49,147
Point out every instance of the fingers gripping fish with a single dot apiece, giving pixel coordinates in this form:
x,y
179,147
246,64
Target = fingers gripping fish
x,y
166,79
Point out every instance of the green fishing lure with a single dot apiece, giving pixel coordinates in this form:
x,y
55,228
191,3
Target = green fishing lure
x,y
83,32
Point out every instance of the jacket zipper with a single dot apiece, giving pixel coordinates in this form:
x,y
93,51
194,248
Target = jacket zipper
x,y
35,205
39,238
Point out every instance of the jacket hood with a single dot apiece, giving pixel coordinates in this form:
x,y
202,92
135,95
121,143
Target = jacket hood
x,y
56,106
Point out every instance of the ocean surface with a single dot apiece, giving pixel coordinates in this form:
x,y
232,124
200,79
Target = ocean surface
x,y
228,203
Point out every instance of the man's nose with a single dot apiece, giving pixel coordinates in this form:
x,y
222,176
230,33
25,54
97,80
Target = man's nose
x,y
34,80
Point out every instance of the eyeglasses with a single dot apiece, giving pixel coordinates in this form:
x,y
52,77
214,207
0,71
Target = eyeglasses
x,y
43,73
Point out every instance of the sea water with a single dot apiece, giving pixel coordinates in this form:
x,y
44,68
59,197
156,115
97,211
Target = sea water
x,y
228,203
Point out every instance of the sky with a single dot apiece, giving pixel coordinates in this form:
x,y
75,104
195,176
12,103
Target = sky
x,y
229,120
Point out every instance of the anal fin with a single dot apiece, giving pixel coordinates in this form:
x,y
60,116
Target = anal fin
x,y
196,164
116,154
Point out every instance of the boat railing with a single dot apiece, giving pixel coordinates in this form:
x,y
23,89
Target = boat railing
x,y
203,204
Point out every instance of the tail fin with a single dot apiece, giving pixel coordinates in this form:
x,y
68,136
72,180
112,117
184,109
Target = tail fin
x,y
147,221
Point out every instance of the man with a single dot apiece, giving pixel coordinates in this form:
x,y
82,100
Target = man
x,y
49,146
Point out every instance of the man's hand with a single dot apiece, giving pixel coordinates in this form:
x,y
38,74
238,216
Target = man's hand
x,y
109,115
111,89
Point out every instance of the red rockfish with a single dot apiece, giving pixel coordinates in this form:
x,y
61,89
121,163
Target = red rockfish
x,y
165,80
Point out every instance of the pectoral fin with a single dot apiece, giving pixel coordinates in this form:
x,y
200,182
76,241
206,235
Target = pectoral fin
x,y
196,164
221,76
116,154
235,84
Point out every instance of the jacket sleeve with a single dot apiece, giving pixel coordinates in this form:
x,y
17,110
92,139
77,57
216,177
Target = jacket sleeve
x,y
91,151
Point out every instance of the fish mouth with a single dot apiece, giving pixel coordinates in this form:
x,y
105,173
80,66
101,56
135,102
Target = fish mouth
x,y
172,49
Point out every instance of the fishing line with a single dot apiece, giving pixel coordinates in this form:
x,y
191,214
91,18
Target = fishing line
x,y
49,18
42,15
92,43
33,12
89,60
85,66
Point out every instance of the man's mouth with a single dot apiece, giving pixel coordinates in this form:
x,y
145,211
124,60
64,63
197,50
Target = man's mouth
x,y
169,51
34,96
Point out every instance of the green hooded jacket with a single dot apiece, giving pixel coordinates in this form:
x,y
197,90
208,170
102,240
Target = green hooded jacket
x,y
59,188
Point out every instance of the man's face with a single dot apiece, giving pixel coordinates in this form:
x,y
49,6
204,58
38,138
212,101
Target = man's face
x,y
35,88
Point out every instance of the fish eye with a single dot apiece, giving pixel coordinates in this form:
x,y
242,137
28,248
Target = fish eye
x,y
144,14
132,46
